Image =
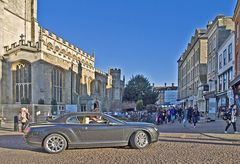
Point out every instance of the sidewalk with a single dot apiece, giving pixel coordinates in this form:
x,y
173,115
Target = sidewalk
x,y
217,126
7,128
205,132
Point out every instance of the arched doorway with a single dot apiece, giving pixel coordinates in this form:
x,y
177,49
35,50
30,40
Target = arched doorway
x,y
96,107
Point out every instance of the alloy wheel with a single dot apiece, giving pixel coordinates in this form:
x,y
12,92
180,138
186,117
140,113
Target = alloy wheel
x,y
142,139
55,144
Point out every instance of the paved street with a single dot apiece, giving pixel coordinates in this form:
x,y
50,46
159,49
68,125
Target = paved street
x,y
205,144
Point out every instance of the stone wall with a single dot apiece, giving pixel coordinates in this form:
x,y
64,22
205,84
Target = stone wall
x,y
16,20
41,80
38,113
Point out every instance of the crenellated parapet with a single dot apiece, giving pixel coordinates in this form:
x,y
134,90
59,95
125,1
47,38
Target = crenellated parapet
x,y
101,72
63,49
22,44
115,71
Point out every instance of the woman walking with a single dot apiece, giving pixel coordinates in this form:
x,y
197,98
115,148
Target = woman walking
x,y
24,117
232,112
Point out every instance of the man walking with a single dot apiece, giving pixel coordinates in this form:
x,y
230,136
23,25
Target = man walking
x,y
232,112
195,116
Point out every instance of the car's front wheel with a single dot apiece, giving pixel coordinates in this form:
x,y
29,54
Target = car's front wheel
x,y
139,140
54,143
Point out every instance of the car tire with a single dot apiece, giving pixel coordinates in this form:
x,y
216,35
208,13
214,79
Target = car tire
x,y
54,143
139,140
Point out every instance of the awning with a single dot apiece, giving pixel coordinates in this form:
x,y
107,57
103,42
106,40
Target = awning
x,y
210,95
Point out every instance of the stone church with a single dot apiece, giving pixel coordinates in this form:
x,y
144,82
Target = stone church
x,y
38,67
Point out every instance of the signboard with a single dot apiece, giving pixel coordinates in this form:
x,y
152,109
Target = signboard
x,y
212,105
170,97
212,108
71,108
230,96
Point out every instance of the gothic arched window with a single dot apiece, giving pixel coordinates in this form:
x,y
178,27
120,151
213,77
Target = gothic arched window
x,y
23,82
57,84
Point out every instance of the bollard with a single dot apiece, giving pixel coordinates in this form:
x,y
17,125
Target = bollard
x,y
15,120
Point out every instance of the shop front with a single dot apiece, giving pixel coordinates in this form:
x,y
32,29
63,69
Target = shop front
x,y
236,91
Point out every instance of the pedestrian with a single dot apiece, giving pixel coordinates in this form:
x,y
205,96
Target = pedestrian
x,y
185,116
173,114
169,115
180,115
195,115
232,119
157,118
190,110
164,116
24,118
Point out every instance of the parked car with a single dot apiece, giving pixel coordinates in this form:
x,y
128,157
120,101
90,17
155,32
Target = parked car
x,y
85,130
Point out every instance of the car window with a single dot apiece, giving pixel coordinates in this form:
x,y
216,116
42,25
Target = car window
x,y
73,120
93,119
114,120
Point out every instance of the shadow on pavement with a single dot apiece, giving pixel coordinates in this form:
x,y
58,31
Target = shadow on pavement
x,y
200,142
16,142
220,138
211,138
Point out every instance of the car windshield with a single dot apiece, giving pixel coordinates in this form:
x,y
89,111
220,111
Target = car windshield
x,y
115,119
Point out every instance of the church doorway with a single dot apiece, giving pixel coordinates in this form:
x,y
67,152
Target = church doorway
x,y
96,106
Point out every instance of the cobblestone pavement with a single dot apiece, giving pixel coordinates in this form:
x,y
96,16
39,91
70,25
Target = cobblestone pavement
x,y
204,144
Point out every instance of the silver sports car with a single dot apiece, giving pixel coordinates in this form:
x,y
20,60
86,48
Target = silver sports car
x,y
84,130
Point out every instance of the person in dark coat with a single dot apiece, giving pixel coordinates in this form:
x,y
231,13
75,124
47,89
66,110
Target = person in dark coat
x,y
195,115
232,119
189,113
164,114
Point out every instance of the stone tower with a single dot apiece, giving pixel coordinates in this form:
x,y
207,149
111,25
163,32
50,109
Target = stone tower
x,y
116,89
116,83
17,17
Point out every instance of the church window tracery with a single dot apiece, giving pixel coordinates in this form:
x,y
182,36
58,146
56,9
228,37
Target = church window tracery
x,y
23,82
57,84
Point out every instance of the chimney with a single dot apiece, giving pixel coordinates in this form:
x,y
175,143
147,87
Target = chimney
x,y
172,84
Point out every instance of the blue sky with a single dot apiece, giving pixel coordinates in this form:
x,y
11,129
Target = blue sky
x,y
139,36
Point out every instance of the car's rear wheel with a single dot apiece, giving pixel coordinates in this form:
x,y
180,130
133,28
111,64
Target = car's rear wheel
x,y
139,140
54,143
